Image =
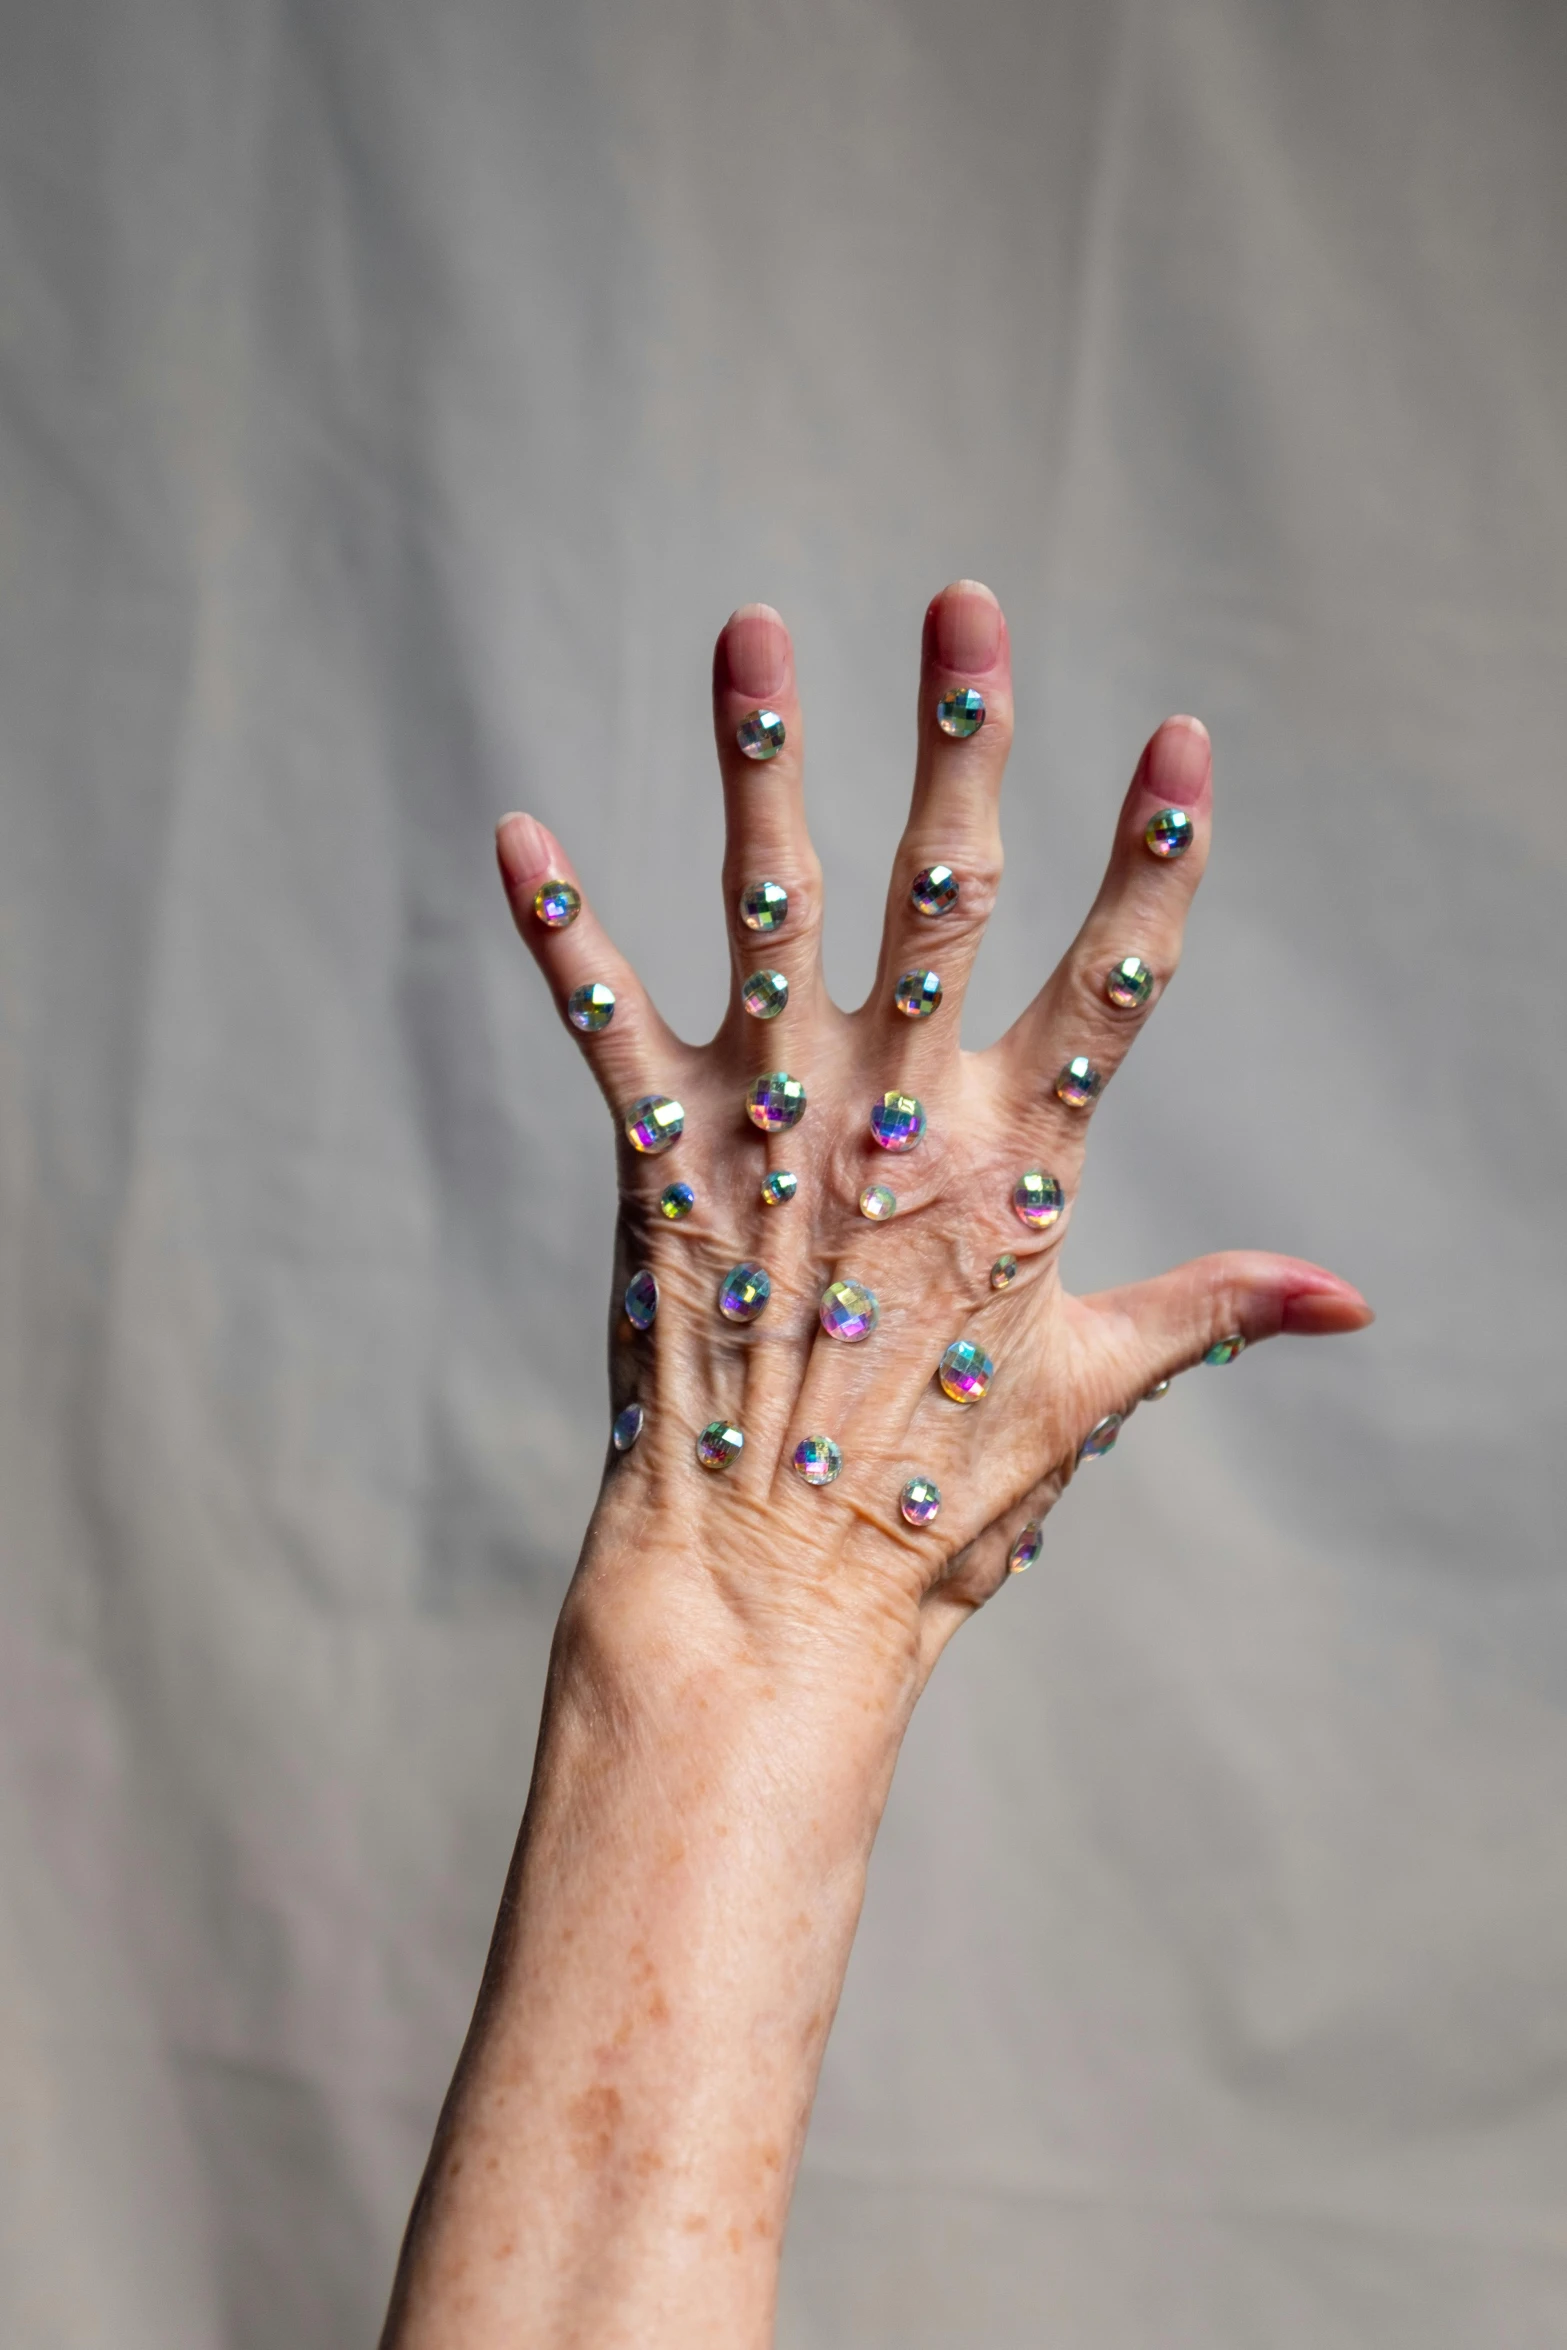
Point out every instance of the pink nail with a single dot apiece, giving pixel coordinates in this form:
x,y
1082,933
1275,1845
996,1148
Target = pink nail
x,y
1180,762
529,849
1315,1313
967,627
755,650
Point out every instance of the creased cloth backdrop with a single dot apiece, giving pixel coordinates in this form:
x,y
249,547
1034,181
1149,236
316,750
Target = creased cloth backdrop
x,y
396,396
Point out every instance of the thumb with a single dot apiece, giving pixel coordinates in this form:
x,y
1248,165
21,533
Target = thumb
x,y
1149,1330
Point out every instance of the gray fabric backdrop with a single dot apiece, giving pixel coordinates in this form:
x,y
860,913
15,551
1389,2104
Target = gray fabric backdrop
x,y
395,397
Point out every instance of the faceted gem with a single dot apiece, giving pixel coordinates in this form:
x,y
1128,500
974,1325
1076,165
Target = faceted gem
x,y
1170,833
1079,1083
641,1300
898,1122
765,994
877,1202
719,1443
775,1100
1100,1438
764,905
676,1200
917,994
965,1372
653,1124
848,1310
778,1185
1003,1272
1026,1549
591,1008
556,904
935,890
920,1500
817,1459
627,1428
1129,983
1157,1393
746,1289
1037,1199
761,736
961,711
1227,1349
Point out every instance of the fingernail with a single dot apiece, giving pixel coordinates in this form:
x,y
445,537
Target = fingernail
x,y
1180,762
1316,1313
754,649
522,843
965,622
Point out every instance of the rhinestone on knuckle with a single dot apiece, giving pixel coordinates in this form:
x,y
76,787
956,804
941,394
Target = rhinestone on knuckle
x,y
761,736
1078,1083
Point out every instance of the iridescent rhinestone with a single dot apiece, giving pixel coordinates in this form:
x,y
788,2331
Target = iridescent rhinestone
x,y
556,904
775,1100
917,994
778,1185
1037,1199
641,1300
1100,1438
676,1200
654,1123
920,1500
1003,1272
961,711
935,890
1157,1393
720,1443
764,905
765,994
1227,1349
848,1310
627,1428
761,736
898,1122
1026,1549
1170,833
817,1459
877,1202
965,1372
592,1007
1129,983
1079,1083
746,1289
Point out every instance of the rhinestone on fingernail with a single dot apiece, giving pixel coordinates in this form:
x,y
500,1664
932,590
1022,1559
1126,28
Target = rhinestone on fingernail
x,y
878,1203
654,1123
1079,1083
1129,983
1026,1549
627,1428
848,1311
1169,834
935,890
641,1300
917,994
816,1459
1226,1350
961,711
763,905
745,1290
591,1007
898,1122
765,994
761,736
775,1100
1003,1272
556,904
720,1443
920,1500
1157,1393
965,1372
676,1200
778,1185
1037,1199
1100,1438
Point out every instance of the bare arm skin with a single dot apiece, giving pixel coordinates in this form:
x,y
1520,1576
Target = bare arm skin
x,y
739,1653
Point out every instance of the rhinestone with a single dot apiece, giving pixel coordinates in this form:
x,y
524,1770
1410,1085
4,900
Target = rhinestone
x,y
556,904
1100,1438
676,1200
775,1100
877,1202
653,1124
917,994
920,1500
1037,1199
961,711
719,1443
641,1300
1026,1549
1003,1272
764,905
817,1459
848,1311
1157,1393
1227,1349
1129,983
761,736
965,1372
778,1185
1079,1083
591,1008
627,1428
935,890
765,994
898,1122
1170,833
746,1289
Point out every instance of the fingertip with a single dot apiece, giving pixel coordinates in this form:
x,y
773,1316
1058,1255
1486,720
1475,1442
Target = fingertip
x,y
753,652
1177,767
1325,1313
965,628
526,853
